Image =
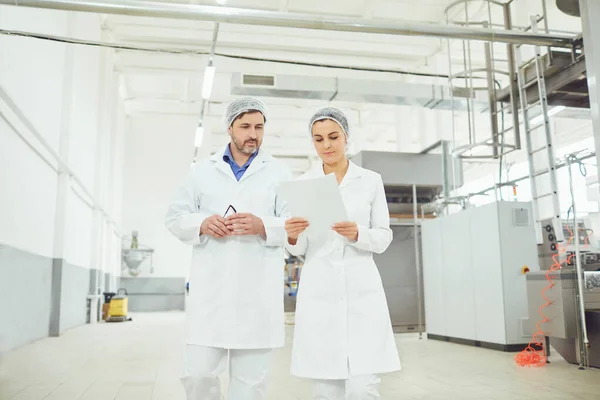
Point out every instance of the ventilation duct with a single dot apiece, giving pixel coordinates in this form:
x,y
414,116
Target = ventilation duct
x,y
569,7
258,80
355,90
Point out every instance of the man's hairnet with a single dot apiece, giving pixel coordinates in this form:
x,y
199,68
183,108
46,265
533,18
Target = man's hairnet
x,y
243,105
333,114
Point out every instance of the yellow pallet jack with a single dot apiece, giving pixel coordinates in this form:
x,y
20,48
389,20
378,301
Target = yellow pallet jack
x,y
117,310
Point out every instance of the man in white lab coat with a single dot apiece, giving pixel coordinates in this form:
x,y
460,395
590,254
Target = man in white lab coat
x,y
230,210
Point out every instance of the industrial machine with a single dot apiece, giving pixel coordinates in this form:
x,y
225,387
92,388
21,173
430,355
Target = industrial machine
x,y
474,264
135,255
560,318
293,267
412,182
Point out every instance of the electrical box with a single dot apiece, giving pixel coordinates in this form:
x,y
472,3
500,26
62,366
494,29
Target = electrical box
x,y
474,266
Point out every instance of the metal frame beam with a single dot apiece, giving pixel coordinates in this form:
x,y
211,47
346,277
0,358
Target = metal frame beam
x,y
590,12
554,84
292,20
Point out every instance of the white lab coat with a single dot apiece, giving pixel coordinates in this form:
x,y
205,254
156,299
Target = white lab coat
x,y
343,325
236,283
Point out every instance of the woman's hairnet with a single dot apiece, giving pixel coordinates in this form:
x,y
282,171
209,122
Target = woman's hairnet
x,y
243,105
333,114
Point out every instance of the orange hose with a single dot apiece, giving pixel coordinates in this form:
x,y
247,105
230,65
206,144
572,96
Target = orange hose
x,y
530,356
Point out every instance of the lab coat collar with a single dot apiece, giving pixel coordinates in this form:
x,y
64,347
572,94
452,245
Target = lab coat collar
x,y
257,164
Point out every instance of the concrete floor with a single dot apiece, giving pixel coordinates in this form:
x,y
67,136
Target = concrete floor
x,y
140,360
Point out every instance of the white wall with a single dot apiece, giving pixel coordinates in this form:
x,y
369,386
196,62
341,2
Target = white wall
x,y
56,88
159,151
31,75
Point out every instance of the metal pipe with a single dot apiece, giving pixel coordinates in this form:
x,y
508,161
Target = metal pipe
x,y
291,20
580,278
492,98
514,99
417,261
524,177
471,94
446,156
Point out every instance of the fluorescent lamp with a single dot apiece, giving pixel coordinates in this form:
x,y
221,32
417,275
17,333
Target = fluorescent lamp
x,y
199,135
221,2
209,77
551,112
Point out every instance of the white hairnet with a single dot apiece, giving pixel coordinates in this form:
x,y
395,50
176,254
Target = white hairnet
x,y
243,105
333,114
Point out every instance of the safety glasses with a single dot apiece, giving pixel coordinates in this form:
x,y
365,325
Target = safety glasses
x,y
230,211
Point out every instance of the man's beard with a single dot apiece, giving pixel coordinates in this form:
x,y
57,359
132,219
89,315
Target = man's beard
x,y
246,150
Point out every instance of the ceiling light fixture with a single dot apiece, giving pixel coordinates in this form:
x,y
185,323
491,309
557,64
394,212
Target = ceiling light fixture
x,y
209,77
199,134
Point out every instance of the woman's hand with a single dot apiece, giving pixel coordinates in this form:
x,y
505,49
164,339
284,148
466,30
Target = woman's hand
x,y
347,229
294,227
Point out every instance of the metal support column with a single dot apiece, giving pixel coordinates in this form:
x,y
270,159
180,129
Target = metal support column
x,y
583,341
418,261
590,12
63,189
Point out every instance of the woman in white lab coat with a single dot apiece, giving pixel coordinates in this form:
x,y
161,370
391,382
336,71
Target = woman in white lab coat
x,y
343,336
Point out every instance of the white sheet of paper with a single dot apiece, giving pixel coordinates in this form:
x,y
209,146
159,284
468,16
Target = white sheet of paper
x,y
317,200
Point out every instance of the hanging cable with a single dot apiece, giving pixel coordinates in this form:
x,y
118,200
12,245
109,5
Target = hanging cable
x,y
534,355
116,46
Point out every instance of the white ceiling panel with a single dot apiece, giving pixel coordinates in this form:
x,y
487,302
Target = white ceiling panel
x,y
431,11
334,7
171,85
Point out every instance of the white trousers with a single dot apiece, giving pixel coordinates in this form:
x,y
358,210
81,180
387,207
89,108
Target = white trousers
x,y
363,387
248,372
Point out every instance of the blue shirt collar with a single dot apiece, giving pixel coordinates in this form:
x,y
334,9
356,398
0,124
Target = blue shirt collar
x,y
228,157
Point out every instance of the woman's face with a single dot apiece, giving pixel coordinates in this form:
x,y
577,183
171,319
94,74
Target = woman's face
x,y
329,141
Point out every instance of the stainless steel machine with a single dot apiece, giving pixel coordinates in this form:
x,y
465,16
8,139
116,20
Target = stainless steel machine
x,y
411,181
575,338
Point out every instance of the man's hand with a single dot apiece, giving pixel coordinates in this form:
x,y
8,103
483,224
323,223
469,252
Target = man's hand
x,y
347,229
294,227
241,224
215,226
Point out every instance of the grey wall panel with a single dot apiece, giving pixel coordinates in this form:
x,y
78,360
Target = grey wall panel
x,y
408,168
55,296
156,302
107,279
154,294
397,267
95,276
73,301
25,282
154,285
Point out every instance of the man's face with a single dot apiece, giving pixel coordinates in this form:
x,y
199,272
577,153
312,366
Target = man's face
x,y
247,132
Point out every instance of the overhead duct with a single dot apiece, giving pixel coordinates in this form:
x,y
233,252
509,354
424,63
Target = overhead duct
x,y
569,7
354,90
292,20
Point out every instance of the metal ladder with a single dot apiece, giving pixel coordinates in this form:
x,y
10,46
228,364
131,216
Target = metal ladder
x,y
545,149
